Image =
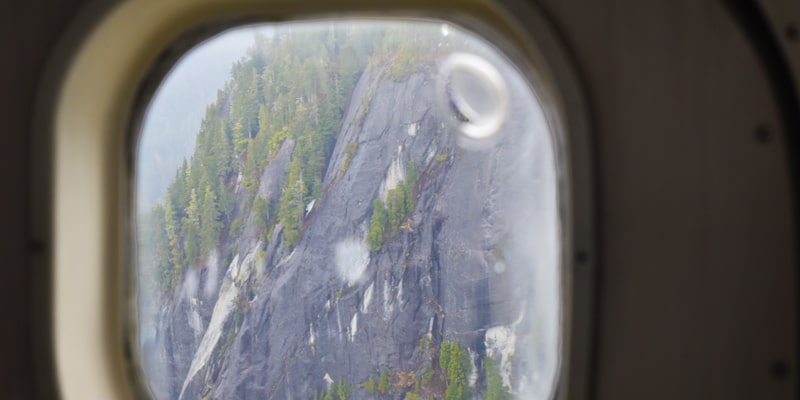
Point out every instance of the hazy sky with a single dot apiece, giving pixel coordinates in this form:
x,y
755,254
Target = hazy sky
x,y
178,106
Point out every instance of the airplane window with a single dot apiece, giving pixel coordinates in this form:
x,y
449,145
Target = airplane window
x,y
347,209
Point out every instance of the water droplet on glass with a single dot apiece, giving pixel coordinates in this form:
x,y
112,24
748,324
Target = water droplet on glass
x,y
475,95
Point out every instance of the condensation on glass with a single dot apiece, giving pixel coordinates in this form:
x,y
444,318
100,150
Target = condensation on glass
x,y
347,209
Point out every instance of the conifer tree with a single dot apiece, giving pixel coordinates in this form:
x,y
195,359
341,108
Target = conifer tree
x,y
288,86
211,225
495,389
173,230
411,182
369,386
250,173
377,223
190,243
261,215
291,208
225,196
240,139
155,238
192,210
383,382
343,390
394,211
401,203
189,227
456,367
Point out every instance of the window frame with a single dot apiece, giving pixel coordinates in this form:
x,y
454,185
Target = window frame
x,y
90,110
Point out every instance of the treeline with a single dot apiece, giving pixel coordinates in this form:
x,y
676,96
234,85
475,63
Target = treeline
x,y
293,85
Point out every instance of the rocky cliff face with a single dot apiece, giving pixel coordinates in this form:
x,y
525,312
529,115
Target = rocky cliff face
x,y
285,323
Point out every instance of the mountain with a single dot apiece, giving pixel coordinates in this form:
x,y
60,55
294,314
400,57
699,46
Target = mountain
x,y
331,239
173,119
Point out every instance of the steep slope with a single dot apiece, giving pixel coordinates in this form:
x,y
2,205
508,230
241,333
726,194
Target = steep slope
x,y
409,273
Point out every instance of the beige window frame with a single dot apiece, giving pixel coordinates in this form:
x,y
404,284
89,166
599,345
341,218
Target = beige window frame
x,y
92,94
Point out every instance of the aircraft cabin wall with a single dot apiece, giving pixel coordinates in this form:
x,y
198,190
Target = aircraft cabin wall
x,y
696,286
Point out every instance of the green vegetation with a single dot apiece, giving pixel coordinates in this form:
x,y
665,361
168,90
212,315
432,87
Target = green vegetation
x,y
412,176
427,377
240,305
456,367
350,152
234,230
405,61
261,216
288,93
377,223
425,341
286,87
288,97
448,380
276,141
369,385
399,203
407,56
395,209
342,389
383,382
339,390
495,389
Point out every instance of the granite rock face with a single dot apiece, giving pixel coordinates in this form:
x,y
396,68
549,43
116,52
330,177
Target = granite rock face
x,y
282,323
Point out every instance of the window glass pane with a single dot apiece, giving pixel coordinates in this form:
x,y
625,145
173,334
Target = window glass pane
x,y
347,209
